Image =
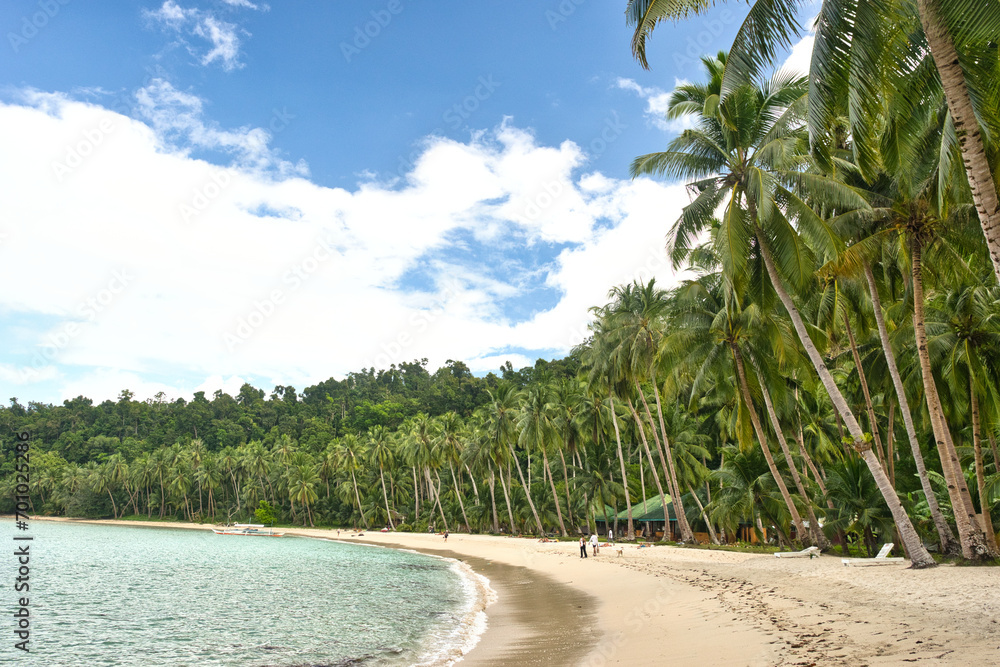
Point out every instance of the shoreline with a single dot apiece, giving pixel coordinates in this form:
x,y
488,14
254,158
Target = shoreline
x,y
681,606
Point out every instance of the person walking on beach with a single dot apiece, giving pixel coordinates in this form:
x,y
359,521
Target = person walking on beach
x,y
446,536
593,543
611,537
583,547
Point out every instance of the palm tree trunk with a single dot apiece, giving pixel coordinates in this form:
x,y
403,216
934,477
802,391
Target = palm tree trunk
x,y
506,499
704,517
236,490
357,496
686,532
669,469
890,443
527,490
437,492
969,535
977,447
493,502
652,469
555,494
819,539
163,499
872,422
762,439
416,495
114,509
472,478
458,492
919,556
945,536
385,497
970,140
630,535
569,505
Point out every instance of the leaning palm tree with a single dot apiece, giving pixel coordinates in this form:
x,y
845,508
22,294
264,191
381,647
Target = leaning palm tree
x,y
743,155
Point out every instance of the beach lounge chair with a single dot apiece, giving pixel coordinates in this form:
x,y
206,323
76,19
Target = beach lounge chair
x,y
809,552
881,559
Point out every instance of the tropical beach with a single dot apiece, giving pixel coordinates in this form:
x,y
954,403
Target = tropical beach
x,y
458,290
683,606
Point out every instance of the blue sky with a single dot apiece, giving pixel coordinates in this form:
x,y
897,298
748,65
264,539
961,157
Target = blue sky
x,y
201,193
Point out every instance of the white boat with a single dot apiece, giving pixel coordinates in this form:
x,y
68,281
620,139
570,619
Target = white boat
x,y
253,529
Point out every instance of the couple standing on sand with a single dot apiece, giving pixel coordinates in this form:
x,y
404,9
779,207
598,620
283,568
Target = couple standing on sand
x,y
583,545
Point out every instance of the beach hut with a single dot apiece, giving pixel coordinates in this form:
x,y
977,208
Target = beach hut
x,y
648,517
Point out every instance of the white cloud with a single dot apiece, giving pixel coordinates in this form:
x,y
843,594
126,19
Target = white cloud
x,y
178,121
657,104
172,14
244,3
223,37
167,266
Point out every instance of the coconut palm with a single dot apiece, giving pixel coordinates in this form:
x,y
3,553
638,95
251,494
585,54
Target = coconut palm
x,y
860,50
501,419
380,453
744,156
536,431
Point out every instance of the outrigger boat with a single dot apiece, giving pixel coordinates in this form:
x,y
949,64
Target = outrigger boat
x,y
247,529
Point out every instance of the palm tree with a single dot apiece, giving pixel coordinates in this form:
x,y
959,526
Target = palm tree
x,y
637,313
302,481
380,453
450,446
501,415
605,369
971,338
744,156
535,432
350,457
860,50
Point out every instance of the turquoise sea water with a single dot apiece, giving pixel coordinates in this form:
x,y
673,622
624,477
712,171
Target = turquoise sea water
x,y
109,595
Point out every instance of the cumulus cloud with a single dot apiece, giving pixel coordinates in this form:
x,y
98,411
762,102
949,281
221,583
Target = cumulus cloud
x,y
140,265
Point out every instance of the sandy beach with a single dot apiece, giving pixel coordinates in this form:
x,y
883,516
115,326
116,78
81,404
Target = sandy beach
x,y
667,605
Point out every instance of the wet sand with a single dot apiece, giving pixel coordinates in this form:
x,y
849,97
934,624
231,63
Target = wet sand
x,y
535,620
